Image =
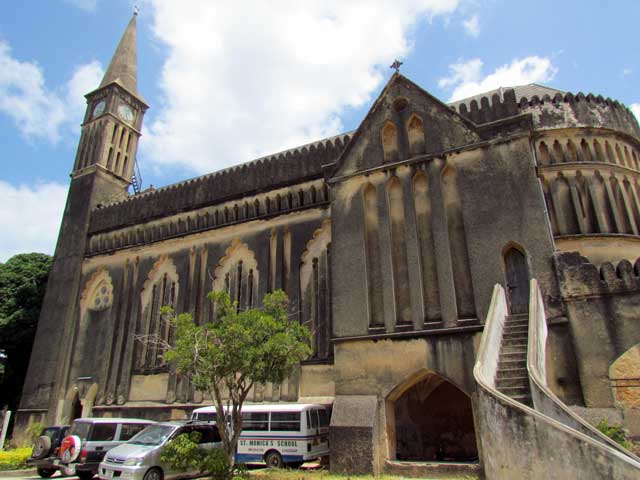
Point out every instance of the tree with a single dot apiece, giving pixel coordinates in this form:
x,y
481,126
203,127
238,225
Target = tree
x,y
23,280
227,357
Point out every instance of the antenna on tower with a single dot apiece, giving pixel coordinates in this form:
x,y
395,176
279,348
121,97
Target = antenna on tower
x,y
136,10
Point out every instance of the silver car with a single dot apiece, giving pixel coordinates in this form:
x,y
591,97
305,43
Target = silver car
x,y
139,458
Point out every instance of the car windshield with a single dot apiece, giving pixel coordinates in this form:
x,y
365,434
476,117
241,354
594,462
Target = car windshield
x,y
152,435
51,433
81,429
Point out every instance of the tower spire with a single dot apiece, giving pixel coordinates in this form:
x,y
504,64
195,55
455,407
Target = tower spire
x,y
123,68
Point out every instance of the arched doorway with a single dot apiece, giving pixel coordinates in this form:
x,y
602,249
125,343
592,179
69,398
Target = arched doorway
x,y
76,408
517,280
433,421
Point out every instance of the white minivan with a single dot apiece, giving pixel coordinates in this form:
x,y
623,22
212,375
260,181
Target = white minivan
x,y
139,458
278,434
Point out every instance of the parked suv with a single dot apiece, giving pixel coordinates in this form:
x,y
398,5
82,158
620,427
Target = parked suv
x,y
45,450
139,458
90,438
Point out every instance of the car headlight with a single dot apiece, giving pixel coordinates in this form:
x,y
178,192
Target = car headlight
x,y
133,462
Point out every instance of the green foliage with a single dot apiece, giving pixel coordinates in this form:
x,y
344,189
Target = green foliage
x,y
23,279
216,464
34,431
14,459
184,454
239,349
615,432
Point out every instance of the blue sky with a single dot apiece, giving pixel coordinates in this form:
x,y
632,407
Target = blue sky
x,y
229,81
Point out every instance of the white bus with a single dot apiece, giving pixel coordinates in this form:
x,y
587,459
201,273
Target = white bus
x,y
278,434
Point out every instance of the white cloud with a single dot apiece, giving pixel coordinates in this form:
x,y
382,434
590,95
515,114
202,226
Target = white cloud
x,y
626,72
466,78
44,202
472,26
86,5
85,79
635,108
37,111
243,79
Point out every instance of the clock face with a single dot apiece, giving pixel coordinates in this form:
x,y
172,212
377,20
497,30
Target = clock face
x,y
125,113
99,108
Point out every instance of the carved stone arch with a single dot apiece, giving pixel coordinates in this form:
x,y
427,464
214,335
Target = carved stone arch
x,y
415,135
459,254
319,241
159,289
373,255
558,152
424,228
315,291
429,417
516,271
389,136
599,152
237,274
572,152
97,294
400,265
164,265
543,153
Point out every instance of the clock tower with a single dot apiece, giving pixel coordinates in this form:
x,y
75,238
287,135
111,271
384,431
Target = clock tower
x,y
113,120
102,173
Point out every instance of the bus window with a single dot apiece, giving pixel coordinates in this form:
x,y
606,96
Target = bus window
x,y
285,421
255,421
312,419
206,417
324,418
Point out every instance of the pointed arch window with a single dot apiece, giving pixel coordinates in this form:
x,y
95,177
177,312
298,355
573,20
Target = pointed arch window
x,y
154,329
237,274
315,292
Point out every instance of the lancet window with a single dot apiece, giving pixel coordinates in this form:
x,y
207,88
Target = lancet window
x,y
154,329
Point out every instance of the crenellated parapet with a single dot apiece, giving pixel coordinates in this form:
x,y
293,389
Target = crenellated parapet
x,y
579,278
261,206
559,111
267,173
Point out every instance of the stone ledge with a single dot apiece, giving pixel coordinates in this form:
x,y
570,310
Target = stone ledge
x,y
432,469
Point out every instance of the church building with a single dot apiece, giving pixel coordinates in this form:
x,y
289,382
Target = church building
x,y
389,241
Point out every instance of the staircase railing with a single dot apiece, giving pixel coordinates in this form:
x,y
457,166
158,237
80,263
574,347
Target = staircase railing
x,y
519,442
544,400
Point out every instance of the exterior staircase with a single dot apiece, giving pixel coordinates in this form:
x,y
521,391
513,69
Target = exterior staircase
x,y
512,378
525,431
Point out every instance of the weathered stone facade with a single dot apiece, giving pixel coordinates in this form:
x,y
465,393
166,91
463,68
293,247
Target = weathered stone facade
x,y
388,240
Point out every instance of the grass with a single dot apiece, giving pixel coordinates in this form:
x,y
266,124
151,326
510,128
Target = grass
x,y
14,459
271,474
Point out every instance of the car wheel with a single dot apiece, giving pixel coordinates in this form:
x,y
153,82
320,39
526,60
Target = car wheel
x,y
41,447
273,459
46,472
153,474
67,471
84,475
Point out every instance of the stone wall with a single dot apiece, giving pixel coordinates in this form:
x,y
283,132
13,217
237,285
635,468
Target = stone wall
x,y
602,306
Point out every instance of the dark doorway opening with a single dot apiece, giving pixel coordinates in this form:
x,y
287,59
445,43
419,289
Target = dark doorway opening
x,y
76,408
517,277
434,422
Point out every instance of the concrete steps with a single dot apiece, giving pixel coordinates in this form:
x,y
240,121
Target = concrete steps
x,y
449,470
512,378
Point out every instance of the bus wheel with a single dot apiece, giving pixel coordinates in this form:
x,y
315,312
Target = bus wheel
x,y
273,459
